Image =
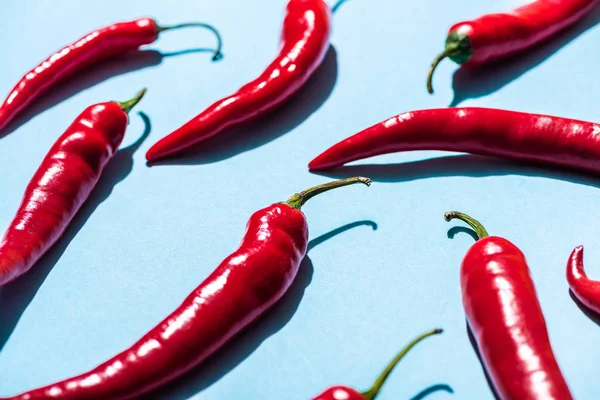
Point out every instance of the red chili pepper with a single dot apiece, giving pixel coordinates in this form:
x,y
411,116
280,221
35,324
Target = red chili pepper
x,y
61,184
347,393
506,319
304,42
585,290
243,287
99,45
493,37
530,137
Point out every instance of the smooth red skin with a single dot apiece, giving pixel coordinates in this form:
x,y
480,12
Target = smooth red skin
x,y
245,285
535,138
507,322
304,42
586,290
96,46
59,187
340,393
497,36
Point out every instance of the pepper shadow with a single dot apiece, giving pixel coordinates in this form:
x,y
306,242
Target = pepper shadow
x,y
277,123
476,349
455,230
457,165
591,314
337,6
248,341
472,83
130,62
16,296
440,387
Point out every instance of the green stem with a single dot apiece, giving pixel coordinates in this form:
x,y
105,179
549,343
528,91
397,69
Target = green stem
x,y
129,104
298,199
472,222
211,28
432,68
374,390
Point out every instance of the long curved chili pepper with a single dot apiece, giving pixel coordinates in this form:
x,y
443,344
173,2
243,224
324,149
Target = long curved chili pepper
x,y
243,287
586,290
506,319
61,184
348,393
492,37
536,138
99,45
304,42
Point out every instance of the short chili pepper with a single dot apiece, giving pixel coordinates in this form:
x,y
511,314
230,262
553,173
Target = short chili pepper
x,y
585,290
347,393
242,288
535,138
61,185
99,45
304,43
493,37
506,319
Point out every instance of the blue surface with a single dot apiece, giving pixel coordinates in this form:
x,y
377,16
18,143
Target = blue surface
x,y
148,236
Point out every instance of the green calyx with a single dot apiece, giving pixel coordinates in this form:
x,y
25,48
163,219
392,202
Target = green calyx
x,y
458,49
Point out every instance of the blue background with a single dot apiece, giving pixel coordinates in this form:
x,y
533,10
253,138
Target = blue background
x,y
148,236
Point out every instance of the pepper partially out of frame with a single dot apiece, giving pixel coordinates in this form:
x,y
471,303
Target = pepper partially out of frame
x,y
348,393
61,184
506,319
585,289
101,44
242,288
304,43
493,37
543,139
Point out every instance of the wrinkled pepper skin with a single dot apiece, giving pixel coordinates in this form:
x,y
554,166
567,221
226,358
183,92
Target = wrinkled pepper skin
x,y
506,319
98,45
304,43
242,288
60,186
541,139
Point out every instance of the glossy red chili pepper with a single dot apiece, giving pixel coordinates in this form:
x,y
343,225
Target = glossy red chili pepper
x,y
61,185
530,137
347,393
493,37
506,319
245,285
586,290
99,45
304,42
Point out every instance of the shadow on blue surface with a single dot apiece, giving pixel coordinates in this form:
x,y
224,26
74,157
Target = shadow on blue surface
x,y
592,315
440,387
457,165
104,71
248,341
16,296
461,229
279,122
337,6
471,83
